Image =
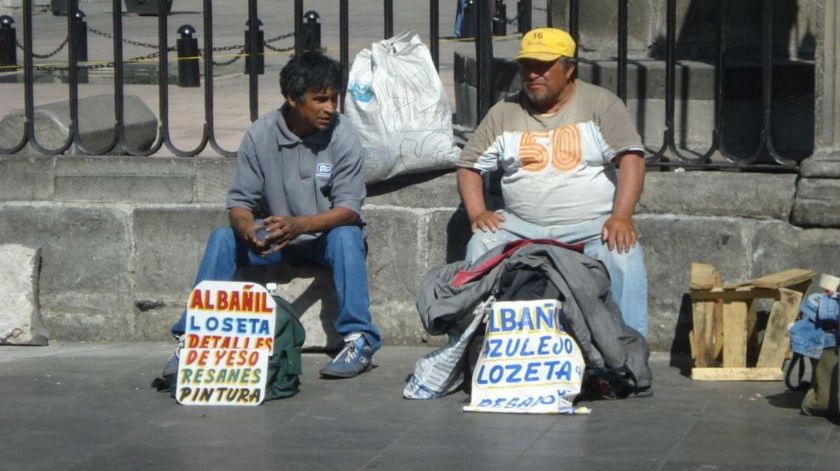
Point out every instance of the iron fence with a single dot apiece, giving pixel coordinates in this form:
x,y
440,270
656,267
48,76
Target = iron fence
x,y
765,157
482,16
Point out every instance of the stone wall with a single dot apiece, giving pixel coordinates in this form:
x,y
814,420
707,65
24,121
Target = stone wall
x,y
793,104
120,240
697,27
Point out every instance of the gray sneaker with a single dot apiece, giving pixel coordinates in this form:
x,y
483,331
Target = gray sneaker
x,y
355,358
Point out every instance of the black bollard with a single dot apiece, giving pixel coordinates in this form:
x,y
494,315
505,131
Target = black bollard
x,y
523,8
311,31
147,7
468,21
500,19
58,7
260,63
8,49
80,37
187,47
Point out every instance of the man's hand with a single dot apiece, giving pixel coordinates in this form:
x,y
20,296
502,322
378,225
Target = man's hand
x,y
619,233
487,221
280,230
255,242
245,227
471,188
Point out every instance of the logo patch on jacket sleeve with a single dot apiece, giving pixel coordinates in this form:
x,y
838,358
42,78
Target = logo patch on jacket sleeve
x,y
323,170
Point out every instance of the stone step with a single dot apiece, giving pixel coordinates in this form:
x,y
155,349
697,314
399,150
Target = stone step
x,y
694,120
96,124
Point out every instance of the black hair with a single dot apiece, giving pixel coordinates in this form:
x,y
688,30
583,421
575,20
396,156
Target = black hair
x,y
309,71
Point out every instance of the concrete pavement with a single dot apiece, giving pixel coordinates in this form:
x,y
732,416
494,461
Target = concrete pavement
x,y
89,407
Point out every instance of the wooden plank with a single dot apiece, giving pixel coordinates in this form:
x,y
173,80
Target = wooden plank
x,y
781,279
717,350
708,333
741,293
704,276
776,340
691,346
752,332
801,287
735,334
702,317
736,374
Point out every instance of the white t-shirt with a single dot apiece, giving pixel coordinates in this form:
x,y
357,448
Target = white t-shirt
x,y
557,168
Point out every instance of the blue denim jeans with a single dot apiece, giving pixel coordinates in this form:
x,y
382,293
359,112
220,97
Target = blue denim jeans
x,y
342,249
459,17
816,329
628,276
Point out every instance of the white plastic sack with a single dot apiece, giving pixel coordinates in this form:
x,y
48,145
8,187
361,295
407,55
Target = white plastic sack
x,y
528,363
396,100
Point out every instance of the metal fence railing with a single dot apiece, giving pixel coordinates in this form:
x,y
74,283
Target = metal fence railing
x,y
669,154
481,16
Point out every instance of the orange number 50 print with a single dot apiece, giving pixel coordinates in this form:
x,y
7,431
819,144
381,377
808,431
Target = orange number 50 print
x,y
564,148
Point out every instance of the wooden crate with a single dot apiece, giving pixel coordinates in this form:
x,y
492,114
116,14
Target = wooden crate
x,y
724,323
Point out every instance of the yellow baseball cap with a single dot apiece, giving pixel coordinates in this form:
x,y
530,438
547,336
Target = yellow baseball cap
x,y
546,44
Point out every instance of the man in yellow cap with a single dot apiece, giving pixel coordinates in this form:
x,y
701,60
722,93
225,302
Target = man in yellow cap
x,y
572,167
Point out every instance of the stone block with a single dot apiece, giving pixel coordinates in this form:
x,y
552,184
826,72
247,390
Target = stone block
x,y
125,166
646,78
403,245
816,202
212,179
694,124
793,126
821,165
696,27
815,213
400,324
447,233
598,23
311,291
153,319
394,253
147,8
124,179
751,195
20,311
779,246
423,190
671,244
824,189
86,268
465,104
698,22
168,245
96,123
26,178
694,105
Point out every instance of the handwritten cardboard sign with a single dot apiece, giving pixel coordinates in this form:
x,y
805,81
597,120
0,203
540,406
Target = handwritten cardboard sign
x,y
528,363
228,338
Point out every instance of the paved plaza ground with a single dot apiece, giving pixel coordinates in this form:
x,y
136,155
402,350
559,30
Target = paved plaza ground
x,y
89,407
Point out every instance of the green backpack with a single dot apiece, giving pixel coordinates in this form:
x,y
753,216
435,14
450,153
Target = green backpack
x,y
284,365
823,397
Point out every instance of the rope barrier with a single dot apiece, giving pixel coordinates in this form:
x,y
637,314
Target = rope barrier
x,y
91,65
